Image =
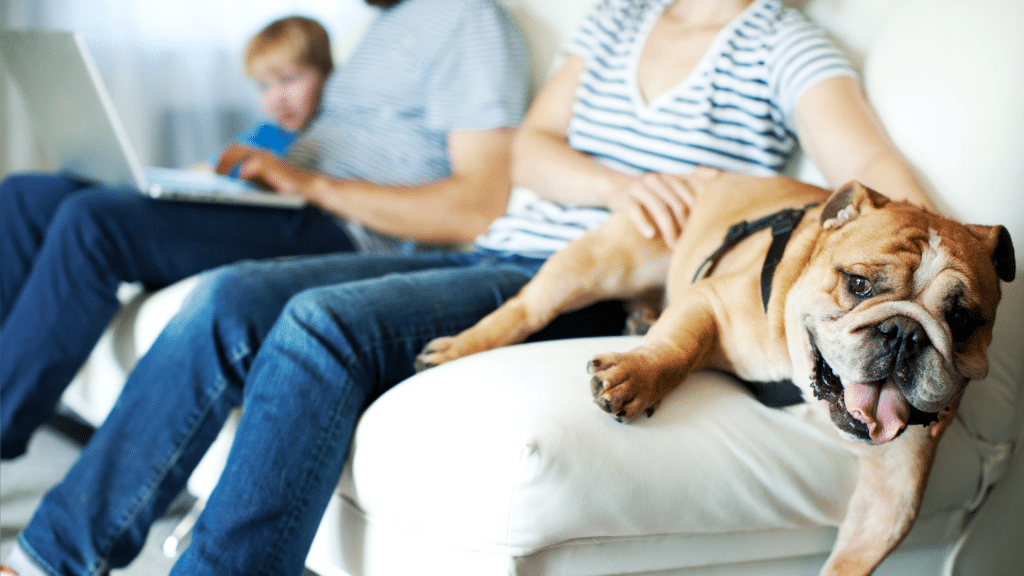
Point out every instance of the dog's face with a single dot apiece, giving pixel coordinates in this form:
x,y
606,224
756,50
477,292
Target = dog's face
x,y
894,311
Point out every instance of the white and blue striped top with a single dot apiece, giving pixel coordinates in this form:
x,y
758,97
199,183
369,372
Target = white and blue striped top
x,y
735,111
425,68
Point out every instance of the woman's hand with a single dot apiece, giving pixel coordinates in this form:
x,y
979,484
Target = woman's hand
x,y
658,203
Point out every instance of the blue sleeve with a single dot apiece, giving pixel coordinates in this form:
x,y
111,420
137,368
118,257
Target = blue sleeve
x,y
267,136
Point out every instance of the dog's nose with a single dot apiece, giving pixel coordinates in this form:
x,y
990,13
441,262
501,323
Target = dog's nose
x,y
901,333
903,340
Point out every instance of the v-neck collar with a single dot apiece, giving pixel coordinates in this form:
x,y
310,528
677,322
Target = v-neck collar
x,y
705,62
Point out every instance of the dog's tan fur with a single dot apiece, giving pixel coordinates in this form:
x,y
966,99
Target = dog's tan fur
x,y
920,261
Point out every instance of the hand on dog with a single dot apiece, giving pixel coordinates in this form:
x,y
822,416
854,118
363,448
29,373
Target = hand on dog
x,y
658,203
265,169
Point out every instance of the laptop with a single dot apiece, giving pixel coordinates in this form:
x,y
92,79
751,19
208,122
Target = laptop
x,y
75,120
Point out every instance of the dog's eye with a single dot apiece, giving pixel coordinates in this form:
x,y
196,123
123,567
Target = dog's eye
x,y
859,286
962,323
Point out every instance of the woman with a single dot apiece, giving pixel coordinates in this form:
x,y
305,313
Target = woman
x,y
649,91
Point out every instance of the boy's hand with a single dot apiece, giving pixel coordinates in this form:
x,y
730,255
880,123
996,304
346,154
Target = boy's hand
x,y
265,169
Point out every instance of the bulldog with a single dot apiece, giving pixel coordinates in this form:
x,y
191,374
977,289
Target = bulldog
x,y
878,312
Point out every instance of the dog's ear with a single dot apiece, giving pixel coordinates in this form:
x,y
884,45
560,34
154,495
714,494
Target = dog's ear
x,y
848,202
1000,248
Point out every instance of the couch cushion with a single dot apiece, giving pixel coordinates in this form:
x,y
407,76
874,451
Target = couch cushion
x,y
504,452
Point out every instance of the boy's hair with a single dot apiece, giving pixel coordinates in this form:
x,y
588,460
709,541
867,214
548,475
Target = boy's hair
x,y
303,38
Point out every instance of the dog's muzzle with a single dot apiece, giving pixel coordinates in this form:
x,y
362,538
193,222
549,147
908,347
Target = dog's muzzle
x,y
828,386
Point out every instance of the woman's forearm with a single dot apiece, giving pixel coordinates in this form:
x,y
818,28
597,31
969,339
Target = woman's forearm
x,y
544,163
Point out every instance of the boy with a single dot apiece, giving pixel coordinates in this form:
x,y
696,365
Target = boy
x,y
290,59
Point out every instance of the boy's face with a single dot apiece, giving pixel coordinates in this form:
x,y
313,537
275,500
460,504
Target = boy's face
x,y
289,91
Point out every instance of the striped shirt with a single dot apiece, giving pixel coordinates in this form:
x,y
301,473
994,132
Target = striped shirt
x,y
424,68
735,111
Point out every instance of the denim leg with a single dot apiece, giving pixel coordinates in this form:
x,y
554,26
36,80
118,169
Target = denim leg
x,y
27,205
173,406
99,238
332,351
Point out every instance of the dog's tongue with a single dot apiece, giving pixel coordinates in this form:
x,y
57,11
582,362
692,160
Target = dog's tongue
x,y
881,407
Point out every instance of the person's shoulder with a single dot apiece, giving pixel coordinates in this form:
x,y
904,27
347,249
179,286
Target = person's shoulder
x,y
630,8
479,10
777,20
451,8
453,14
615,15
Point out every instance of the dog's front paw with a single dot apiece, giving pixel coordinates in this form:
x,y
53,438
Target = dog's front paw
x,y
621,385
436,352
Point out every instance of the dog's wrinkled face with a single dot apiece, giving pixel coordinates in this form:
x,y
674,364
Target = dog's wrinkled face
x,y
894,312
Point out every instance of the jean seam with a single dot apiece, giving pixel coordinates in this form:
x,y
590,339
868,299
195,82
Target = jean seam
x,y
147,493
41,562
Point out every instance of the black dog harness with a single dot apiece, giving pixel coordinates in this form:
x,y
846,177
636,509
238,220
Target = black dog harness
x,y
782,224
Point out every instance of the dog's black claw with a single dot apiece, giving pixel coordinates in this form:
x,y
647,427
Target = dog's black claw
x,y
649,411
420,365
596,386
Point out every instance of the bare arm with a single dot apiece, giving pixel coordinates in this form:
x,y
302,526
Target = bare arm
x,y
843,136
447,211
544,162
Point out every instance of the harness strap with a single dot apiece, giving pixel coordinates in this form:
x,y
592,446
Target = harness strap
x,y
782,224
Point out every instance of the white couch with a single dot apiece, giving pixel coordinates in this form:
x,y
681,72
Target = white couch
x,y
517,472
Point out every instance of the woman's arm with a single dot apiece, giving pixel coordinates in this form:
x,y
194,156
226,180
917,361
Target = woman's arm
x,y
448,211
544,162
841,133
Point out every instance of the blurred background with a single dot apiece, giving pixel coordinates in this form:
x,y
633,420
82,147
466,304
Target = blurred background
x,y
174,69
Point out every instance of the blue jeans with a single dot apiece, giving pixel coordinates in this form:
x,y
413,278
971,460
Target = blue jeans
x,y
305,344
66,248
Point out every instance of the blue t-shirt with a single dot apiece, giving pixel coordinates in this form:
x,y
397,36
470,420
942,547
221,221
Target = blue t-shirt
x,y
425,68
